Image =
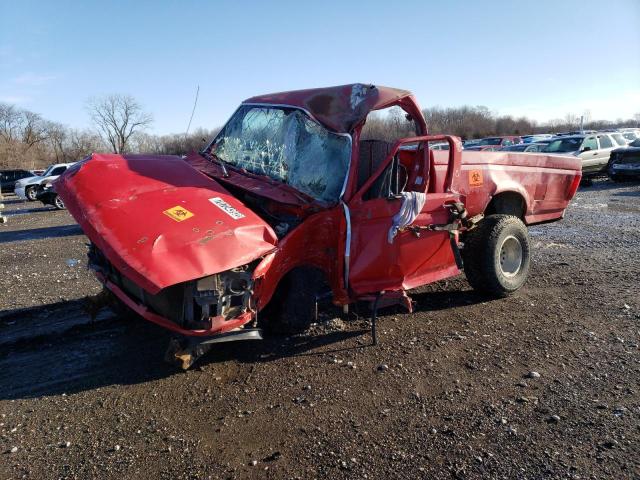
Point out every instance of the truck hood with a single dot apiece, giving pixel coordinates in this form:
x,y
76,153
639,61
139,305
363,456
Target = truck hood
x,y
159,221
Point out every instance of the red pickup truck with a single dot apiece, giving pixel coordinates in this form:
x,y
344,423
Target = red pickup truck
x,y
288,205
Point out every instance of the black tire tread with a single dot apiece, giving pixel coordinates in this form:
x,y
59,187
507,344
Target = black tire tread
x,y
297,310
478,257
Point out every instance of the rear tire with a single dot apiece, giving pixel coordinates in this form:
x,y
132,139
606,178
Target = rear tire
x,y
496,255
617,178
586,182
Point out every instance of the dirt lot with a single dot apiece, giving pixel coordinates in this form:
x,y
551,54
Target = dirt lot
x,y
544,384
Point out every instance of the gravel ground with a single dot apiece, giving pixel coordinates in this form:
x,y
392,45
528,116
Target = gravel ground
x,y
544,384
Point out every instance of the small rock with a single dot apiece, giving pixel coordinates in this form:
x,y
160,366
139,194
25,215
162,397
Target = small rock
x,y
14,449
253,463
273,457
533,374
66,444
433,430
116,448
619,411
553,419
383,367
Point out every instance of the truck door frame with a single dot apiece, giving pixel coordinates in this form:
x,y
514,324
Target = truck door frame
x,y
388,268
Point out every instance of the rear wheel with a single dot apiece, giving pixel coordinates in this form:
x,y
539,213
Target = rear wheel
x,y
496,255
617,178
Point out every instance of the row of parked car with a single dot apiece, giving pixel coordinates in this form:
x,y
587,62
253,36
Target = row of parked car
x,y
34,185
615,152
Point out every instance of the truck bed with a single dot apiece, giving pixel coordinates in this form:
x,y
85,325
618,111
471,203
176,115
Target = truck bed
x,y
545,183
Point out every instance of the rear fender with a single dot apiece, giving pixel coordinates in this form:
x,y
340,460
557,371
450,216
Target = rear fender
x,y
510,187
508,202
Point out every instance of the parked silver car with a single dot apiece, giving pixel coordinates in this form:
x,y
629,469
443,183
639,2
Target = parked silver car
x,y
27,188
593,149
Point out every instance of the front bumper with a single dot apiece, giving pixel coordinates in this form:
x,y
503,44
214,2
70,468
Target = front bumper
x,y
46,197
20,192
219,324
625,169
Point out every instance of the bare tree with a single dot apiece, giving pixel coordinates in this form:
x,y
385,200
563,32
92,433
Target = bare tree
x,y
34,129
118,118
81,143
11,122
56,138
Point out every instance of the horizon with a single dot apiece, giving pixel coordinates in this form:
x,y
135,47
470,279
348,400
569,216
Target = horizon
x,y
53,62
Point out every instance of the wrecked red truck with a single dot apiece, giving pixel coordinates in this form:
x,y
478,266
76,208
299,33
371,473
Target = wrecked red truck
x,y
289,204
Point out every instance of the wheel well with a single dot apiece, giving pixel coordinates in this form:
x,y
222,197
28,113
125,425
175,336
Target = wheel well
x,y
508,203
287,282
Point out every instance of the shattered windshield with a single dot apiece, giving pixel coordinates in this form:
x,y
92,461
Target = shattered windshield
x,y
286,145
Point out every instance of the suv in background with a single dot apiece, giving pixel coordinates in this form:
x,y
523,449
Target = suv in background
x,y
27,188
630,134
619,138
593,149
8,179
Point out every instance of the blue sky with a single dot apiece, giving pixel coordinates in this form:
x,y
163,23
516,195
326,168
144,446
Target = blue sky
x,y
537,58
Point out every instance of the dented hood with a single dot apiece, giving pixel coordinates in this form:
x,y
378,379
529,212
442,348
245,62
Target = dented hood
x,y
159,221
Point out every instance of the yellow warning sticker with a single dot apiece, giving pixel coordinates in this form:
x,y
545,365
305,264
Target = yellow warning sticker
x,y
178,213
475,178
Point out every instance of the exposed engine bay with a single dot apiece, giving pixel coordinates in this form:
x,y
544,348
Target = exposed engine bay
x,y
190,304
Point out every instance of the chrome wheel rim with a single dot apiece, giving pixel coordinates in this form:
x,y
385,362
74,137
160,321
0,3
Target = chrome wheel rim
x,y
510,256
59,203
31,194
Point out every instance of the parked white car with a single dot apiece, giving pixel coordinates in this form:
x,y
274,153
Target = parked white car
x,y
27,188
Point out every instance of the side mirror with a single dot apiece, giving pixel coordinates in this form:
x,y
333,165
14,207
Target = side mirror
x,y
585,149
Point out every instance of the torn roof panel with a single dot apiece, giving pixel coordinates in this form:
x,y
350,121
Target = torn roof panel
x,y
338,108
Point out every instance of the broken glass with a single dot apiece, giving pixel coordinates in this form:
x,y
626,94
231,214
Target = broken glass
x,y
288,146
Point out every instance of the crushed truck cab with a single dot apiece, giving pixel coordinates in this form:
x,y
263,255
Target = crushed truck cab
x,y
287,204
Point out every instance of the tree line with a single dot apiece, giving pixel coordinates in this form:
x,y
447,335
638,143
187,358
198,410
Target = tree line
x,y
120,125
